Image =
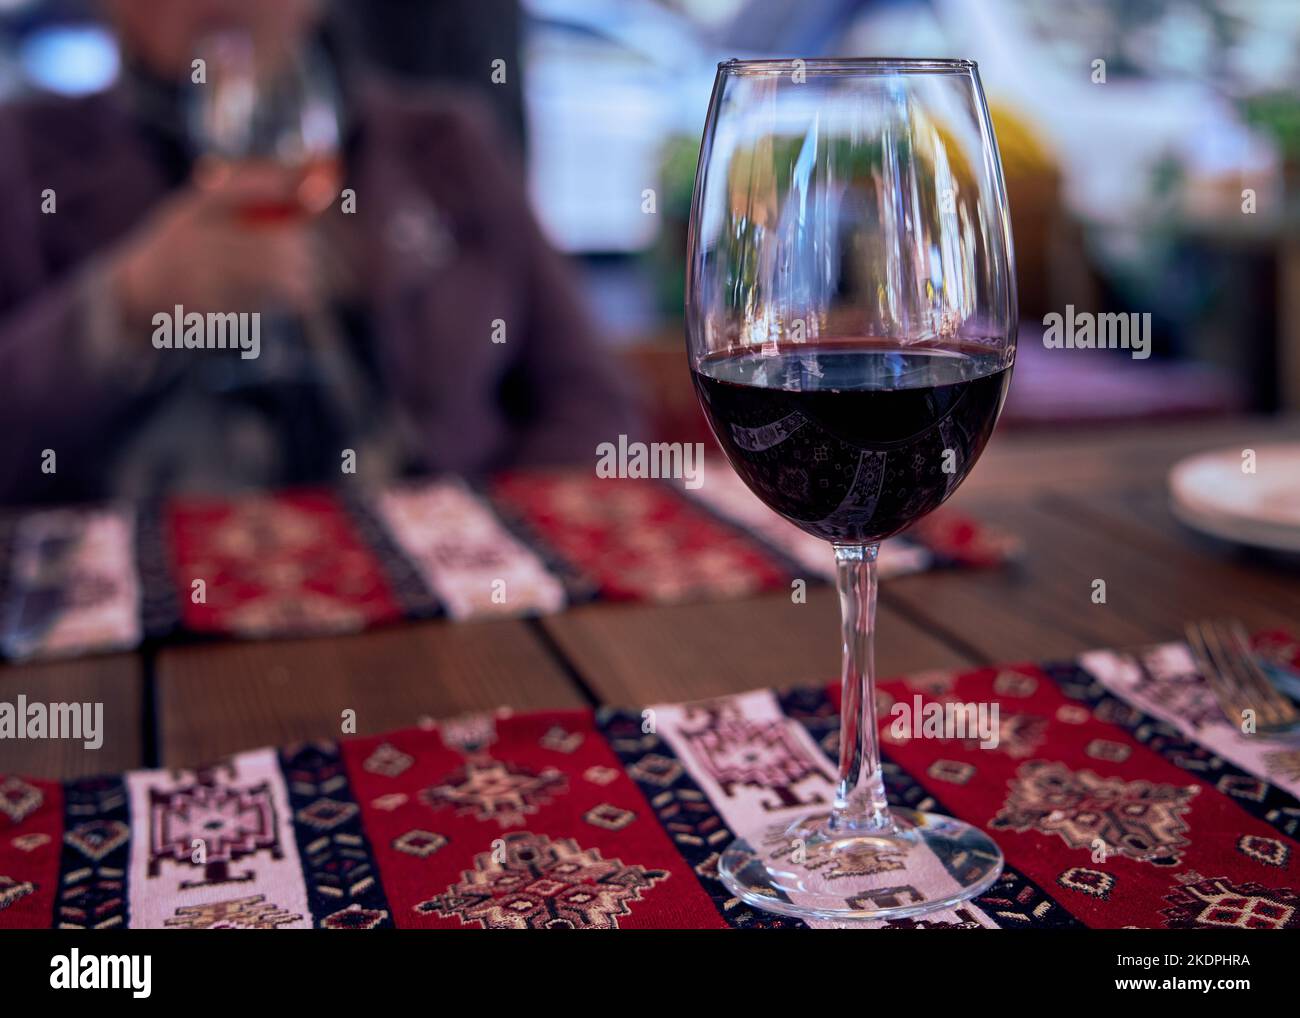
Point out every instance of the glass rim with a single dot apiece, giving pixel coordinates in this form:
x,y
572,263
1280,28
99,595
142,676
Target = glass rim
x,y
841,65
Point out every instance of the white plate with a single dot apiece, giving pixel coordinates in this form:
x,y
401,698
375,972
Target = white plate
x,y
1212,493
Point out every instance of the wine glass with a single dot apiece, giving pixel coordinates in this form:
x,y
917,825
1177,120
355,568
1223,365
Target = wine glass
x,y
851,322
271,107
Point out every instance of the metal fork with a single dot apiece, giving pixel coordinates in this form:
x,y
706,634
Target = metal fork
x,y
1223,656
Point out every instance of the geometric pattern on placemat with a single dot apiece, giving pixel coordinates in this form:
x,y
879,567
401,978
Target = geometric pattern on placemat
x,y
95,856
429,842
404,579
342,877
388,761
1222,903
579,587
684,812
235,821
496,790
965,919
637,539
1140,820
1013,902
420,844
609,817
18,798
69,857
544,883
12,890
270,559
253,912
737,750
287,563
1259,798
217,834
1268,851
1094,883
72,586
463,553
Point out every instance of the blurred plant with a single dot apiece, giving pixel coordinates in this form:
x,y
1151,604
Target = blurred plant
x,y
1022,149
1278,114
668,256
1142,37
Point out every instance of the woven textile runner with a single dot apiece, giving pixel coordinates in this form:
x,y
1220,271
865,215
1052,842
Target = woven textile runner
x,y
636,541
466,555
72,583
1116,800
76,581
279,564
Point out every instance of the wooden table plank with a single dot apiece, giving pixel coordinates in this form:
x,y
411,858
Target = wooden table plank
x,y
1025,463
1089,504
1142,519
1043,608
1037,609
632,655
114,681
217,699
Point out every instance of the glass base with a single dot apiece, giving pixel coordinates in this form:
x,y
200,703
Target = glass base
x,y
925,863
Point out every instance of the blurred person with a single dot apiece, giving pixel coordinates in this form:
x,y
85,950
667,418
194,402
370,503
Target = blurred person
x,y
451,40
432,329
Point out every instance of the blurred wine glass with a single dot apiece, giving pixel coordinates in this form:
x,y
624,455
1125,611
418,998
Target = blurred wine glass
x,y
267,111
269,107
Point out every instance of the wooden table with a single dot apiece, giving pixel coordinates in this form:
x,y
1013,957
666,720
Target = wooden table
x,y
1088,505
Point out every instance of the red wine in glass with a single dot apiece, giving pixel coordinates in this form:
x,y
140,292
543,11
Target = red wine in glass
x,y
315,184
852,440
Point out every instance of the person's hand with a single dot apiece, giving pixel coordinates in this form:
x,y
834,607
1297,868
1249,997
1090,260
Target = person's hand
x,y
199,249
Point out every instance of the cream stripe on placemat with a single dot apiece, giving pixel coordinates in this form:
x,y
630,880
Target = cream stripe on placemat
x,y
1171,689
73,585
215,848
761,770
465,554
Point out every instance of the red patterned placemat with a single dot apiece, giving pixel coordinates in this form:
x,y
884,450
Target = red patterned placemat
x,y
1114,790
637,541
289,563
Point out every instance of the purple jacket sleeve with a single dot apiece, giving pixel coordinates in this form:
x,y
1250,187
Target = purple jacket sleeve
x,y
58,385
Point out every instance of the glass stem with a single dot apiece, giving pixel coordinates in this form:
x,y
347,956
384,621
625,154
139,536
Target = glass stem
x,y
860,798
